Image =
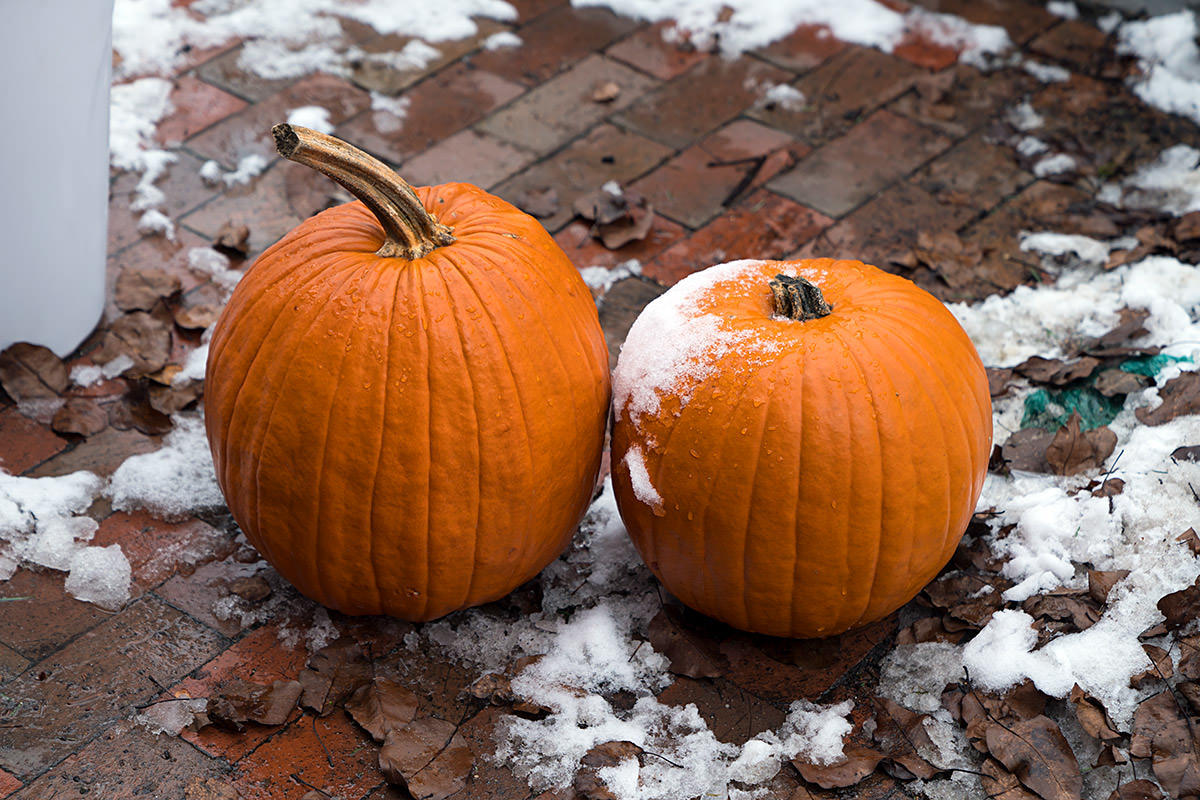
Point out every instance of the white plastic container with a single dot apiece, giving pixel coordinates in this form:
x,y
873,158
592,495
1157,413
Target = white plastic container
x,y
56,59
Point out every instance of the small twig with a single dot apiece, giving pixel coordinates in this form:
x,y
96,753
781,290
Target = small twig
x,y
664,758
296,777
635,650
328,755
166,700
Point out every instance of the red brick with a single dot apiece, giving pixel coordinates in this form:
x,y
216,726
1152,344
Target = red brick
x,y
554,41
974,172
840,92
530,9
329,754
607,153
1076,43
805,48
886,227
225,72
100,453
537,122
205,595
585,250
764,226
392,79
270,205
847,171
961,99
703,180
48,618
705,97
8,783
195,105
126,762
25,443
249,131
158,550
260,657
182,188
468,156
648,50
438,107
12,664
1022,20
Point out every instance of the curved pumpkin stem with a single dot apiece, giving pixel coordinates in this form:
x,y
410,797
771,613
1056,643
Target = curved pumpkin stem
x,y
798,299
412,232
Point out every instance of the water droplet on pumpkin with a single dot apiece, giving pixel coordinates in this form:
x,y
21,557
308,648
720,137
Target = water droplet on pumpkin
x,y
689,516
834,504
694,453
744,431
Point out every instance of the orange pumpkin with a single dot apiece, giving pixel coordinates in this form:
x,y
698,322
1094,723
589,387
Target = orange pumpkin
x,y
797,456
406,396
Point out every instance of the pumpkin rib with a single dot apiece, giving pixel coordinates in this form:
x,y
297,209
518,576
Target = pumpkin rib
x,y
797,572
878,482
255,444
744,529
427,468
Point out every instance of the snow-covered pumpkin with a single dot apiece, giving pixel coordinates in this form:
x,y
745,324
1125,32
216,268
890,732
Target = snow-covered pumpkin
x,y
407,396
798,446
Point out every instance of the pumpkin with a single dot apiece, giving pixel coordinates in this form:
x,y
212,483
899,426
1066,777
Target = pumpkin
x,y
407,395
798,446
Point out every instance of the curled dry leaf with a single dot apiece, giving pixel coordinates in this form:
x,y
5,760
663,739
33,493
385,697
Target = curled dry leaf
x,y
332,674
1131,326
79,416
1140,789
1037,753
1180,396
252,589
1189,452
1190,538
1160,668
1163,734
1025,450
1187,227
382,706
427,757
606,92
904,741
239,701
198,317
1180,607
1055,372
1115,382
144,337
1000,784
171,398
142,289
233,239
32,372
1092,716
1101,582
588,784
857,763
1073,451
618,218
135,411
540,203
999,379
690,651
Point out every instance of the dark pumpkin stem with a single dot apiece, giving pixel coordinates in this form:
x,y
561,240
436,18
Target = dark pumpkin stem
x,y
412,232
798,299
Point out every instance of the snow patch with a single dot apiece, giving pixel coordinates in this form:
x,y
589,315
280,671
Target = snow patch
x,y
174,481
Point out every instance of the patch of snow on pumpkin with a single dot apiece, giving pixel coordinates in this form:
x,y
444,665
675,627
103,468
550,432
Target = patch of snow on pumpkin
x,y
670,347
643,487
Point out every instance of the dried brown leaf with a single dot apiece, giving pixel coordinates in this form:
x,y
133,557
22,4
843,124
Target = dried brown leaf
x,y
1101,582
238,701
1092,716
1163,734
1187,227
80,416
144,337
1037,753
197,317
904,740
233,239
999,379
174,398
252,589
617,218
1056,372
332,674
1180,396
588,784
690,650
606,92
1141,789
32,372
540,203
135,411
1000,784
427,757
857,763
1076,608
1132,324
1160,667
381,706
1189,452
1115,382
1180,607
1190,538
1025,450
142,289
1073,451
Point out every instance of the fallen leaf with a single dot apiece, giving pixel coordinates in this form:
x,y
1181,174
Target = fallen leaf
x,y
1189,657
1160,667
856,763
144,337
1073,451
1000,784
232,239
1055,372
32,372
1025,450
135,411
540,203
1110,487
239,701
689,651
427,757
79,416
618,218
1092,716
999,379
606,92
1076,608
1101,582
332,674
381,706
1189,452
1037,753
1180,396
252,589
1140,789
1115,382
1190,538
142,289
196,317
1190,691
944,252
1187,227
1110,755
588,784
1180,607
1131,326
904,741
1163,734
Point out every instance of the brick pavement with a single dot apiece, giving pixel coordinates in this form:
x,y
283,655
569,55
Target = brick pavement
x,y
884,148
